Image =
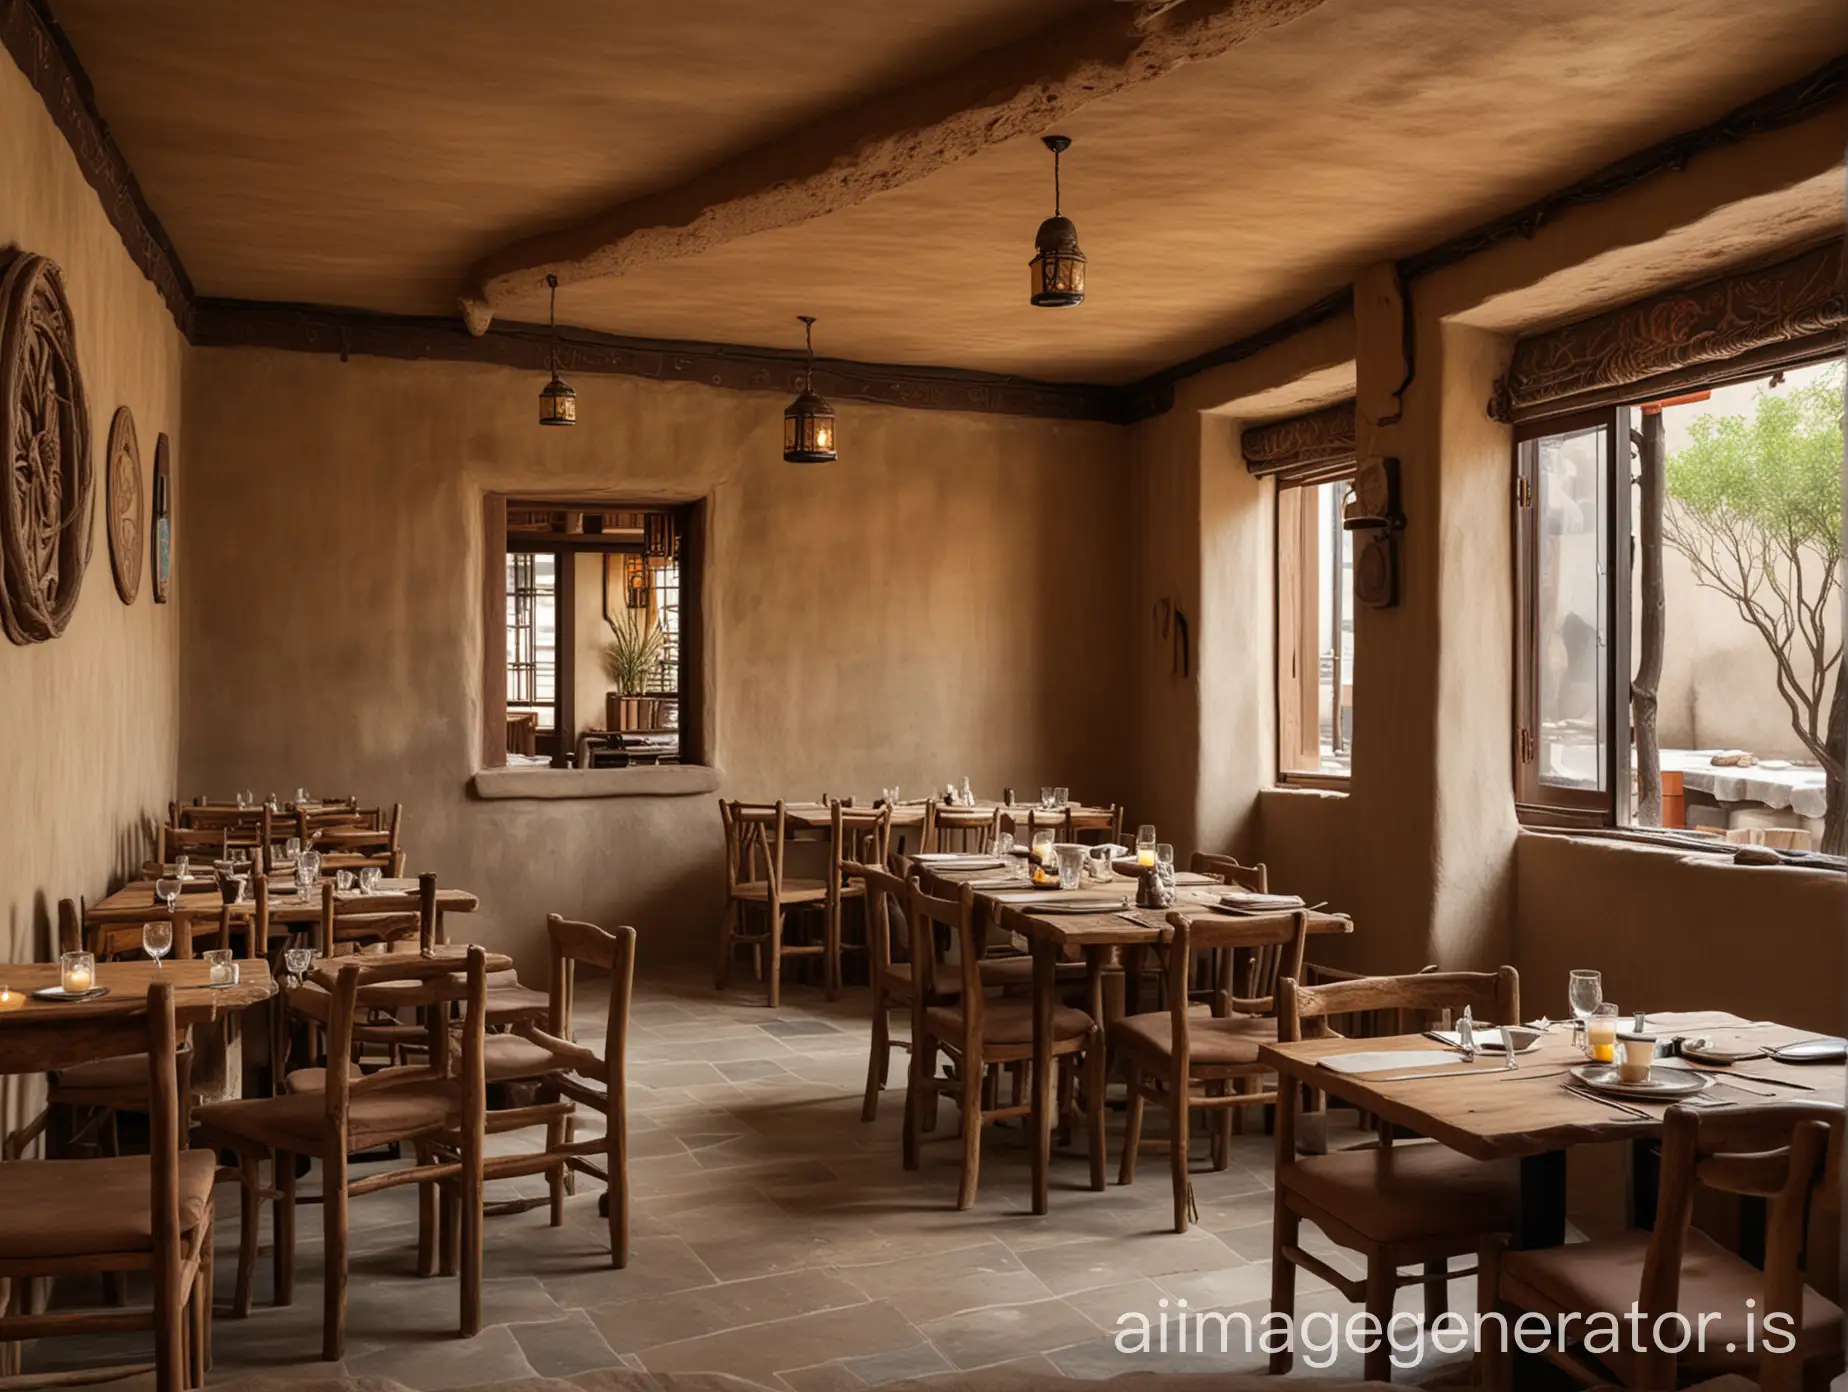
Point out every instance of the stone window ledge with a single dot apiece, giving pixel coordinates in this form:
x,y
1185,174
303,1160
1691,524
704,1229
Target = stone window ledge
x,y
553,784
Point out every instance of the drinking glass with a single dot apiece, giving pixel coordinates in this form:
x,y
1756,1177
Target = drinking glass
x,y
301,797
1071,864
181,864
343,881
1601,1033
221,970
243,802
77,972
1002,845
167,890
292,847
1046,798
1061,797
1584,989
297,961
1145,844
369,879
157,939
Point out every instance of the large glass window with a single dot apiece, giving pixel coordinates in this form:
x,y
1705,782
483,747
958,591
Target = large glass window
x,y
1315,631
532,636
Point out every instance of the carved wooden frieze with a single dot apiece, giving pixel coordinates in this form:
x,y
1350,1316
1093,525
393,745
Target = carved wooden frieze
x,y
122,502
45,421
1320,437
1679,329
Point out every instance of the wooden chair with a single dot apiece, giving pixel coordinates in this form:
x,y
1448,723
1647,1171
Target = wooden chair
x,y
1252,877
1397,1205
1181,1061
1786,1152
979,1035
563,1069
755,882
1107,822
115,1215
854,837
434,1105
201,844
890,974
958,828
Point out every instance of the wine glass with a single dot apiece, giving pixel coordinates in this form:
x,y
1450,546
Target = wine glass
x,y
297,961
243,802
307,871
1584,993
167,890
157,939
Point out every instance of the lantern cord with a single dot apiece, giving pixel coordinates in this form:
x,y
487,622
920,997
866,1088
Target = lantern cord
x,y
1055,183
551,319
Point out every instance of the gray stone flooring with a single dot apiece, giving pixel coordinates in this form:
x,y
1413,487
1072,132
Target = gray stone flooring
x,y
778,1238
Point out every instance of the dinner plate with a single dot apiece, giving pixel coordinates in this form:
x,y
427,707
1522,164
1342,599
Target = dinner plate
x,y
1825,1050
58,993
1662,1085
1703,1050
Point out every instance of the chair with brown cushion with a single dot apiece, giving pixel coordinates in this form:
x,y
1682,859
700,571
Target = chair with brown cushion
x,y
755,836
979,1035
119,1214
1786,1152
855,837
442,1102
569,1074
1183,1061
1411,1204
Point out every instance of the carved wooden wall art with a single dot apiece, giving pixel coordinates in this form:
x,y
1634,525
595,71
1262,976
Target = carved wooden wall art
x,y
160,535
45,421
1300,443
123,502
1711,323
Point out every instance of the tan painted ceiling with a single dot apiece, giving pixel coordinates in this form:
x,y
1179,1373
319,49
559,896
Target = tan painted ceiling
x,y
366,154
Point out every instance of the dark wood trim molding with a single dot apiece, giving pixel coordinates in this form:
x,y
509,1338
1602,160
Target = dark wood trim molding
x,y
317,329
45,56
1789,309
1299,443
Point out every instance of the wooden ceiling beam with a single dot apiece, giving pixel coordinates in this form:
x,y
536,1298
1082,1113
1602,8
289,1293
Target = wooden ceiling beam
x,y
847,156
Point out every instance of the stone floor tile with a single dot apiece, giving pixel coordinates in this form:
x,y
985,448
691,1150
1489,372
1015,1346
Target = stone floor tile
x,y
976,1338
640,1324
559,1348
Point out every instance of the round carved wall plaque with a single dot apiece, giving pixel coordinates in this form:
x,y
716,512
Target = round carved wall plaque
x,y
124,503
45,425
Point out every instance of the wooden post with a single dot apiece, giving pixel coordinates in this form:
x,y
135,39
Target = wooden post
x,y
1651,619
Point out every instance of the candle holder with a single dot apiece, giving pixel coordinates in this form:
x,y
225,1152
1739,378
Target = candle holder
x,y
77,973
222,970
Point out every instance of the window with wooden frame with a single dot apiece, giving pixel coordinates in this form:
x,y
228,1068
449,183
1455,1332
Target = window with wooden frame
x,y
591,648
1677,540
1311,460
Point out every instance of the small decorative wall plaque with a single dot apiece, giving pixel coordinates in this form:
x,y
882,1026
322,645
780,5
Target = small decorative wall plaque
x,y
124,504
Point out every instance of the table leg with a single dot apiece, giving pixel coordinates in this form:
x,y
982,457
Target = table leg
x,y
1044,994
1543,1200
1645,1176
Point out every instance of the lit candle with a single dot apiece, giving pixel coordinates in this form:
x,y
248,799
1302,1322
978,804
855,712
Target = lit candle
x,y
76,972
1601,1037
1145,855
11,999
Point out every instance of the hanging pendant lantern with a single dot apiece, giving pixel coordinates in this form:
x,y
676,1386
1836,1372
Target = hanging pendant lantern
x,y
1057,265
808,421
557,403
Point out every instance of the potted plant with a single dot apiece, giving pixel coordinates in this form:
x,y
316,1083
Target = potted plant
x,y
630,658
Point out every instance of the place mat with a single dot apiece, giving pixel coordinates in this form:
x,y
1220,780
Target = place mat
x,y
1249,901
1390,1060
1072,900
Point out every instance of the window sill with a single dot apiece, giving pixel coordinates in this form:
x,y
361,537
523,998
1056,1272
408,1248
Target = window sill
x,y
554,784
1327,785
1697,849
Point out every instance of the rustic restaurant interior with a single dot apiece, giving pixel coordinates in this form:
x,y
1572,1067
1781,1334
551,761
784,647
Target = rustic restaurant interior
x,y
996,694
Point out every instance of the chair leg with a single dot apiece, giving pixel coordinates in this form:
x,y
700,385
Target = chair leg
x,y
1436,1290
974,1075
1132,1126
334,1250
1094,1085
249,1216
429,1219
1178,1145
472,1200
1220,1120
880,1057
555,1177
282,1227
616,1195
1286,1231
831,949
774,965
1382,1285
208,1280
914,1090
115,1286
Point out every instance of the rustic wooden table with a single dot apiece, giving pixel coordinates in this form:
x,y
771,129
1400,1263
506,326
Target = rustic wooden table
x,y
1490,1112
200,903
1100,938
